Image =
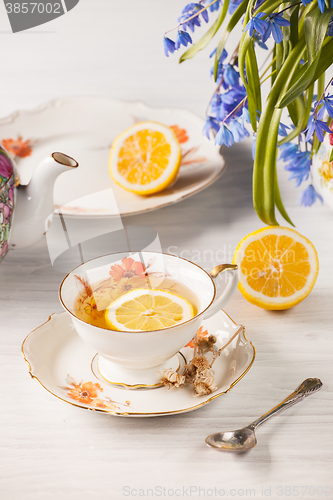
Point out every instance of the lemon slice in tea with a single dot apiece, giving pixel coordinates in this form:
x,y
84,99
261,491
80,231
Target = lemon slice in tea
x,y
147,310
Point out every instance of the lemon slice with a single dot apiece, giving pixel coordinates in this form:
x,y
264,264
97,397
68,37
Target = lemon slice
x,y
278,267
145,158
147,310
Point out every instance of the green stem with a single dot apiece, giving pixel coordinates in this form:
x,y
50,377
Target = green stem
x,y
264,163
300,110
320,94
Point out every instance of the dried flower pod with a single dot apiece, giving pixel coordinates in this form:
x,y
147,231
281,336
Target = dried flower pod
x,y
171,378
200,362
189,373
201,389
206,344
204,383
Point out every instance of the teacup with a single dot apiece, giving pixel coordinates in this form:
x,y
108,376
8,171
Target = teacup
x,y
134,359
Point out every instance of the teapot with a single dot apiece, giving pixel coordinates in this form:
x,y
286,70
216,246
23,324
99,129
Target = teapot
x,y
32,204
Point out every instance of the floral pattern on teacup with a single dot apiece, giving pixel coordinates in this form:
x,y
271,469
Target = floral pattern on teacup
x,y
326,172
201,333
125,275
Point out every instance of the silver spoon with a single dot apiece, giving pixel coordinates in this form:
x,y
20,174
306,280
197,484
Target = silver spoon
x,y
245,439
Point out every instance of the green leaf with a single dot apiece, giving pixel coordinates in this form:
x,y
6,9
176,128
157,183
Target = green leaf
x,y
315,36
269,6
245,43
265,164
278,199
235,18
326,58
274,73
331,155
294,26
296,110
204,41
315,29
298,113
301,85
264,191
253,80
279,56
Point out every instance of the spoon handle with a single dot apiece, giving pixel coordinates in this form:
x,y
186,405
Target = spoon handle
x,y
309,386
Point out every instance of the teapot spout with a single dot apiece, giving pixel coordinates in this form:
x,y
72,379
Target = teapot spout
x,y
34,202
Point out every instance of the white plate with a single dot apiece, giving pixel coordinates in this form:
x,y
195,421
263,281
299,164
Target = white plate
x,y
62,363
84,128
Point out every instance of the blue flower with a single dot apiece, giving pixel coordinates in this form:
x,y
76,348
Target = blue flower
x,y
169,46
257,38
327,102
215,105
274,22
211,124
299,166
215,5
224,136
189,11
230,75
230,100
233,4
214,52
220,66
330,25
309,196
204,15
288,151
245,116
283,129
238,131
183,38
321,5
257,23
317,126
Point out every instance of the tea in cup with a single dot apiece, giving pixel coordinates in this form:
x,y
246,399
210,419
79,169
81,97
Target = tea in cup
x,y
138,311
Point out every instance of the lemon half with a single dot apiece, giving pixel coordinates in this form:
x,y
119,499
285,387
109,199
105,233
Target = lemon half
x,y
145,158
278,267
147,310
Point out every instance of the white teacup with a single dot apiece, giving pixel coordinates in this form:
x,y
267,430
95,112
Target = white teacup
x,y
133,359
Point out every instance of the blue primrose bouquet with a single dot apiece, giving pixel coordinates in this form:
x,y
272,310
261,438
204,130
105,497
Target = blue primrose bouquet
x,y
302,40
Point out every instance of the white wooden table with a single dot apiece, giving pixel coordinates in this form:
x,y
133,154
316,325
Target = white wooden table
x,y
50,450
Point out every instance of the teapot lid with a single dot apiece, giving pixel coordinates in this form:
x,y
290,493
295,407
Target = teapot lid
x,y
6,167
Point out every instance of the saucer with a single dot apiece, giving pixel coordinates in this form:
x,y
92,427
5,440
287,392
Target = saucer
x,y
85,127
62,363
150,379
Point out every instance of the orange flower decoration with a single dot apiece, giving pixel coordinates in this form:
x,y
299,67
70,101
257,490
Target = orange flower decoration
x,y
18,147
85,393
180,133
104,405
326,170
199,335
128,268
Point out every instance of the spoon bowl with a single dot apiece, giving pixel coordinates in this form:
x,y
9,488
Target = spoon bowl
x,y
240,440
245,439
